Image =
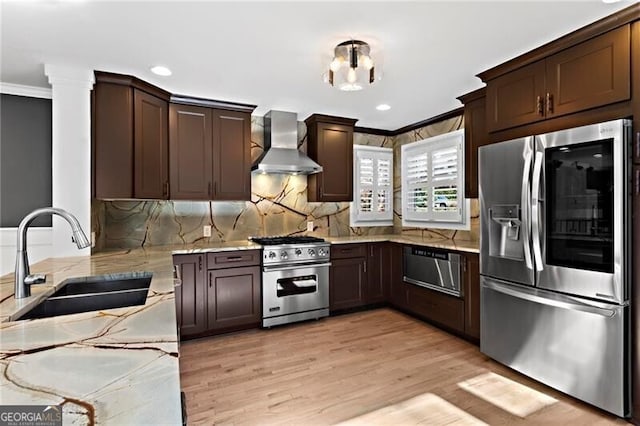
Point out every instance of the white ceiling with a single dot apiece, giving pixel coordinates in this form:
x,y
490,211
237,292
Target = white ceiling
x,y
273,54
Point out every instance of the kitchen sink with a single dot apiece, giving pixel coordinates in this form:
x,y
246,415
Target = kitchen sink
x,y
96,293
104,283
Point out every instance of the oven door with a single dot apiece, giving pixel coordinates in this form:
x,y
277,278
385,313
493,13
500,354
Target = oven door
x,y
579,209
294,289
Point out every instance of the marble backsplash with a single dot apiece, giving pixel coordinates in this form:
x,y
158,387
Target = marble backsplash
x,y
278,206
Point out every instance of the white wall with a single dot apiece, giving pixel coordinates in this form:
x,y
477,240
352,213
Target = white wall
x,y
39,246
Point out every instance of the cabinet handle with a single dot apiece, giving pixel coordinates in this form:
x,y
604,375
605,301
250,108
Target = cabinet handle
x,y
365,267
321,193
637,181
371,250
549,103
233,258
165,189
638,144
199,263
539,105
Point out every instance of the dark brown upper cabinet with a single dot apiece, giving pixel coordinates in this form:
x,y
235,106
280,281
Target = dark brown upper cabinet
x,y
210,153
197,149
475,135
112,140
330,144
232,155
191,147
130,138
151,153
589,74
635,84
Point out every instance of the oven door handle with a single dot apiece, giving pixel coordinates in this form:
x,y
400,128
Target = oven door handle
x,y
299,284
298,266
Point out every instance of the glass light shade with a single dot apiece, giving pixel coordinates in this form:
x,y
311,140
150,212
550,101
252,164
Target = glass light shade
x,y
352,67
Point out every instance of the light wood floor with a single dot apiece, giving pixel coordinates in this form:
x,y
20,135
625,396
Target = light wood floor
x,y
340,368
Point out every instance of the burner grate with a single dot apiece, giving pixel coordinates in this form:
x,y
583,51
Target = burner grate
x,y
271,241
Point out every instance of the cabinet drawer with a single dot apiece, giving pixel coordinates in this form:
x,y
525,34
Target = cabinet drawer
x,y
444,309
345,251
233,259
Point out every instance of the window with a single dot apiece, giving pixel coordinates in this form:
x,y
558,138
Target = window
x,y
432,183
372,186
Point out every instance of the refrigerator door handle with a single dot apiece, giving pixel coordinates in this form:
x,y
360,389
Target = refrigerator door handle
x,y
558,301
525,206
535,212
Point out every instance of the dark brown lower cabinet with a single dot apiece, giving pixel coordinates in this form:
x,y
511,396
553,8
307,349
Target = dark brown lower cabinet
x,y
379,272
190,295
361,274
218,300
347,282
436,306
233,297
397,287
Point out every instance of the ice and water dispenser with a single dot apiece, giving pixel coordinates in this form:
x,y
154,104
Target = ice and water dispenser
x,y
504,231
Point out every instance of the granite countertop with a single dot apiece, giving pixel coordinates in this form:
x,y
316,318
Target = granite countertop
x,y
443,243
117,366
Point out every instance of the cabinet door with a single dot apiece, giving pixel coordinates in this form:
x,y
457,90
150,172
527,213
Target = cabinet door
x,y
590,74
190,296
398,288
151,164
232,155
635,104
379,272
113,140
516,98
234,298
439,307
190,144
472,296
475,135
347,283
335,155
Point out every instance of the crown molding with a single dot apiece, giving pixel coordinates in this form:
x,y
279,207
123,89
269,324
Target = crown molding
x,y
436,119
22,90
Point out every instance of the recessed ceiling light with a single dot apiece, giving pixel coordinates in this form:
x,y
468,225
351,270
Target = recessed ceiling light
x,y
383,107
610,1
160,70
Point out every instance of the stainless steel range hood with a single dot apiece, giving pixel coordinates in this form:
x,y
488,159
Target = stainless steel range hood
x,y
281,154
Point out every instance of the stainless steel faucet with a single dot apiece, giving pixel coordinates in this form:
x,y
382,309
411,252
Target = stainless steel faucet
x,y
23,277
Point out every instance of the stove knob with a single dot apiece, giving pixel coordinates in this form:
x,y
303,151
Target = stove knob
x,y
312,252
284,254
272,255
322,252
298,252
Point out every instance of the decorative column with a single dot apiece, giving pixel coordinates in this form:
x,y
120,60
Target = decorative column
x,y
71,152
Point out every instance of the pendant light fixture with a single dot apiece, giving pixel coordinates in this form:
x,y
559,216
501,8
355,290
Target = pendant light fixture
x,y
352,67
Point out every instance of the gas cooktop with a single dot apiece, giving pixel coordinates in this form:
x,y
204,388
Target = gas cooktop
x,y
280,240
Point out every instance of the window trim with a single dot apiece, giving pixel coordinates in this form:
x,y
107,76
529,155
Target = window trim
x,y
429,218
368,219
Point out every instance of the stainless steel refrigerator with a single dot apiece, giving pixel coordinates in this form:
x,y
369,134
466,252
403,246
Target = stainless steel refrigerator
x,y
554,260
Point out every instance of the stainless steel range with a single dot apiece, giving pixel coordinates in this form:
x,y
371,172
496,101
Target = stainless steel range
x,y
295,279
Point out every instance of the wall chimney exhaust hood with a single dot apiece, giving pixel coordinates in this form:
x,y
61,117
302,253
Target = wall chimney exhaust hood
x,y
281,154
